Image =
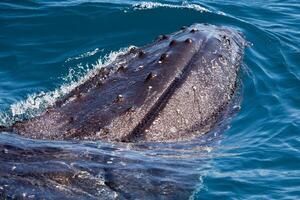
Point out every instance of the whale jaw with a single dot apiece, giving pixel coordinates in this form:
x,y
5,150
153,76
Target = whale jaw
x,y
173,89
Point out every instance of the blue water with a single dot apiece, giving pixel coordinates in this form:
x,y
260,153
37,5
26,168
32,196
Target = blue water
x,y
47,47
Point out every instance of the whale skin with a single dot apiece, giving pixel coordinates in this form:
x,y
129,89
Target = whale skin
x,y
171,90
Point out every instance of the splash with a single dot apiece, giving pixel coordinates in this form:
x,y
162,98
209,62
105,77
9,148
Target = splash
x,y
84,55
184,5
36,103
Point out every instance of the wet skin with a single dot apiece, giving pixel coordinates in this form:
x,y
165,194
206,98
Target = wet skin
x,y
171,90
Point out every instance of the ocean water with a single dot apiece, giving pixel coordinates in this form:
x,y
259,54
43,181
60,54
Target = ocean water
x,y
49,47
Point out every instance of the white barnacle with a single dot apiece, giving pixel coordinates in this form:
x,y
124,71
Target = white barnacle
x,y
139,68
99,133
223,60
173,130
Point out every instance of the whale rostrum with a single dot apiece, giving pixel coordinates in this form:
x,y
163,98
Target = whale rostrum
x,y
173,89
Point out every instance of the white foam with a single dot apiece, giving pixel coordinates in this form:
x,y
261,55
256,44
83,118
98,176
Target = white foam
x,y
221,13
184,5
84,55
36,103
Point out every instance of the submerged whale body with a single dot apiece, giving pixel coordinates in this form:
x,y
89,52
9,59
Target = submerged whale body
x,y
173,89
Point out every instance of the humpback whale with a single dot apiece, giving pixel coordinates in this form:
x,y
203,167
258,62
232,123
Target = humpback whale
x,y
171,90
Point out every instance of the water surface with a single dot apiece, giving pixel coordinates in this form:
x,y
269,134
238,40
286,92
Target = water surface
x,y
49,47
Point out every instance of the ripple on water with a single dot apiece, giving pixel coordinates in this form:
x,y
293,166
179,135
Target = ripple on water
x,y
255,157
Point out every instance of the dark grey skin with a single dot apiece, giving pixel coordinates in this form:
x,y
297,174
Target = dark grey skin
x,y
171,90
77,172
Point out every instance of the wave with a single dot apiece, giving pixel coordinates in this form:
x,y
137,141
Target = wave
x,y
85,55
36,103
137,6
184,5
